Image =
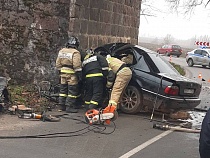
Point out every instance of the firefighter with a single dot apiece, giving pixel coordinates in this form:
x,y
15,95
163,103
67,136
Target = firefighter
x,y
69,65
118,78
204,141
95,69
127,58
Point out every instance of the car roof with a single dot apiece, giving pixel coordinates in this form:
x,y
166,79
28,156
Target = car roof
x,y
120,46
111,47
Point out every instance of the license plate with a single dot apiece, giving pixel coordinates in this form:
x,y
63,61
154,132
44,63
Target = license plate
x,y
189,91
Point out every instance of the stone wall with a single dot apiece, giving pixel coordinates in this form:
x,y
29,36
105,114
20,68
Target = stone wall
x,y
33,31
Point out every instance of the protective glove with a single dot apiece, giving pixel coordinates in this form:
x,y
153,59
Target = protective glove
x,y
109,84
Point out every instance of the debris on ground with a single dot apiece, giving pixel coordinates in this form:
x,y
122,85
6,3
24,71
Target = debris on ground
x,y
19,107
184,115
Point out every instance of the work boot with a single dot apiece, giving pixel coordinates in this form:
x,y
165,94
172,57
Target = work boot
x,y
61,108
71,109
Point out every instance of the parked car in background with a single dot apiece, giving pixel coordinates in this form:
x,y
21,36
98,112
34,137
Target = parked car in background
x,y
155,82
198,56
170,50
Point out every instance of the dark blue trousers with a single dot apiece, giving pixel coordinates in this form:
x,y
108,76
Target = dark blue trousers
x,y
204,141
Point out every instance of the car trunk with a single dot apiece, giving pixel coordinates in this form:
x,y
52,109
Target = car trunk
x,y
176,49
187,87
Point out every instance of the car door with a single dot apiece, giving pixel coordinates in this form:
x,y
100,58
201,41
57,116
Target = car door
x,y
162,49
204,59
197,57
142,74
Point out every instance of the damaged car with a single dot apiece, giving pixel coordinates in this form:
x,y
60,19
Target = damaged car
x,y
155,84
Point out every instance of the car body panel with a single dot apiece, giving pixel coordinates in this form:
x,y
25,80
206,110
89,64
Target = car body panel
x,y
170,50
199,57
152,74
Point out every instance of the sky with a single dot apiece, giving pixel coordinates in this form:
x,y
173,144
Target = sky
x,y
178,25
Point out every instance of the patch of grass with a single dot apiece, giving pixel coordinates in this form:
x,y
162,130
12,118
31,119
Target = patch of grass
x,y
178,68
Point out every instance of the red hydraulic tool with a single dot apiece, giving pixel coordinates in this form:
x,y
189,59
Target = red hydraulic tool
x,y
102,116
42,117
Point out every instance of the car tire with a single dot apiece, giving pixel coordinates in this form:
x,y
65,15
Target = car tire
x,y
203,66
131,100
178,56
167,54
190,62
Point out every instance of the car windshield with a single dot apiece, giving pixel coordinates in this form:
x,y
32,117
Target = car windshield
x,y
208,50
162,64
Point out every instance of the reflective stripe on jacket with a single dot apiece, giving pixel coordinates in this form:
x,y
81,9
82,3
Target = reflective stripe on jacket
x,y
94,75
95,65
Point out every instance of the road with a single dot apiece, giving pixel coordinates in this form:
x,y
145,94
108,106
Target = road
x,y
133,136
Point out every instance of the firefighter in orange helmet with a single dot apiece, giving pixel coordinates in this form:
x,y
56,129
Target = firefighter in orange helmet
x,y
69,64
118,82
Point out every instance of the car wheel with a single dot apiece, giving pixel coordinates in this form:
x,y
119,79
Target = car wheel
x,y
178,56
131,100
204,66
190,62
167,54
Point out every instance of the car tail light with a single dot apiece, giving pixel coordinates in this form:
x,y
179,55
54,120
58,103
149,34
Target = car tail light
x,y
171,90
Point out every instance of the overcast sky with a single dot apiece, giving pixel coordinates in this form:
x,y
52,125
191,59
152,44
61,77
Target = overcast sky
x,y
179,26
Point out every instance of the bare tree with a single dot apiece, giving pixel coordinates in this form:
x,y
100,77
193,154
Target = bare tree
x,y
187,6
148,9
168,39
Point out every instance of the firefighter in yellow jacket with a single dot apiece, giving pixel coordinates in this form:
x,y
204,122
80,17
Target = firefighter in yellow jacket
x,y
69,64
122,77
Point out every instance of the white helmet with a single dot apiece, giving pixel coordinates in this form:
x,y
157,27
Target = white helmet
x,y
108,56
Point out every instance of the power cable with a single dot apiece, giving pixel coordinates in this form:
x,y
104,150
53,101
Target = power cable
x,y
90,128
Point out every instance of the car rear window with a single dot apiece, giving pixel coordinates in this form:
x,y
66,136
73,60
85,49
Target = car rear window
x,y
176,47
162,64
